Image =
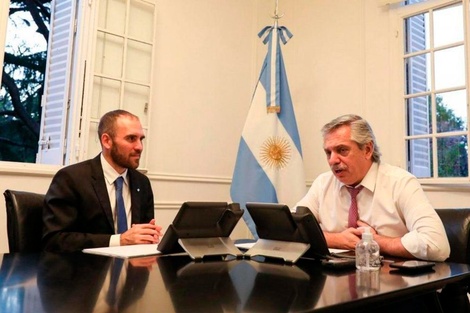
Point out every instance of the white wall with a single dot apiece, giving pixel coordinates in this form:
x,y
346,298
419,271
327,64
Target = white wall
x,y
207,62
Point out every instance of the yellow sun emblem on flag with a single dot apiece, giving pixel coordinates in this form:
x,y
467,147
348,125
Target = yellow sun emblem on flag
x,y
275,152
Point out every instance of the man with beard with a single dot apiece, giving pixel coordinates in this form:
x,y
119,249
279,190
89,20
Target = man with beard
x,y
80,207
389,199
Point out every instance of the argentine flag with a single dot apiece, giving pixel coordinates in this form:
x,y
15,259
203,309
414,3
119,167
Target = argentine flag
x,y
269,166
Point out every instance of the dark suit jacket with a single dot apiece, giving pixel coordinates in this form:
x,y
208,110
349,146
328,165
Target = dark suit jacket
x,y
77,213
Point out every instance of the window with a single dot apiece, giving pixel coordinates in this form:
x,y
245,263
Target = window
x,y
122,63
435,59
93,65
23,79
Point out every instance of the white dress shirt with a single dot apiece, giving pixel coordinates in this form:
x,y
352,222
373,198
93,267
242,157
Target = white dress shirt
x,y
110,175
392,202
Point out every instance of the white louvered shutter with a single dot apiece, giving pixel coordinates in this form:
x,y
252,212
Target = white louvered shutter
x,y
57,83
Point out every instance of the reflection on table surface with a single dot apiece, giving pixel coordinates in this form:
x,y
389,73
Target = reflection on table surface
x,y
240,286
83,283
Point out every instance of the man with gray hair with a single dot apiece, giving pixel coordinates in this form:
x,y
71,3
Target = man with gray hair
x,y
361,191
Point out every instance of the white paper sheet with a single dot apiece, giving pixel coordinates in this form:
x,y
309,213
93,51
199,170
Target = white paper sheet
x,y
125,251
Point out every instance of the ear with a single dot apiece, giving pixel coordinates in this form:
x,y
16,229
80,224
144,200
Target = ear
x,y
369,150
106,141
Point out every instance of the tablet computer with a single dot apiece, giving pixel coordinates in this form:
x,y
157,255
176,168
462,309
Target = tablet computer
x,y
274,221
200,220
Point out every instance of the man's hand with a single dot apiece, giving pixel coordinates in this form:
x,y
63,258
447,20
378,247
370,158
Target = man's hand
x,y
388,245
142,234
347,239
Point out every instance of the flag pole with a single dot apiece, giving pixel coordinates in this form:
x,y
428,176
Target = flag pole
x,y
276,16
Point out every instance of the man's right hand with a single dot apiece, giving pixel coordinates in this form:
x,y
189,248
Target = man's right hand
x,y
142,234
347,239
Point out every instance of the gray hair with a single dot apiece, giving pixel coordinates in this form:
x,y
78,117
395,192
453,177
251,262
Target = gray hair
x,y
361,132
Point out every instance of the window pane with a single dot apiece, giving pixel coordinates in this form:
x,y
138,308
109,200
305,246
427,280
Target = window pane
x,y
136,100
109,55
139,56
419,118
112,15
420,157
416,74
448,25
416,36
451,111
141,20
452,156
450,68
106,93
410,2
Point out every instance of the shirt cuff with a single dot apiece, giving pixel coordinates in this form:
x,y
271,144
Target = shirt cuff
x,y
115,240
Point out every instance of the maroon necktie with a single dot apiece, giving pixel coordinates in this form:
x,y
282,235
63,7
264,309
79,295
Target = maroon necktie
x,y
353,212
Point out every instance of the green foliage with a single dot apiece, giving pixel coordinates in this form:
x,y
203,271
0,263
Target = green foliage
x,y
452,151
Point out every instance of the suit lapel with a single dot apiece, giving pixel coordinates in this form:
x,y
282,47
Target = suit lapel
x,y
135,189
99,185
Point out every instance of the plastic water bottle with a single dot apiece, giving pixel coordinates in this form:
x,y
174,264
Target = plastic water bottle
x,y
367,253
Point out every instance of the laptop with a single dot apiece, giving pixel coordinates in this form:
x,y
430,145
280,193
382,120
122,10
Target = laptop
x,y
275,222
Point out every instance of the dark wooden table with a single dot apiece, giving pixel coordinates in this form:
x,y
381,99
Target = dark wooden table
x,y
77,283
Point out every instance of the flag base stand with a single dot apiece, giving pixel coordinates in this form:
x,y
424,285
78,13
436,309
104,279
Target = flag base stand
x,y
288,251
198,248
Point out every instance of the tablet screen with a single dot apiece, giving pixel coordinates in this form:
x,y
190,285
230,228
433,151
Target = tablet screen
x,y
273,221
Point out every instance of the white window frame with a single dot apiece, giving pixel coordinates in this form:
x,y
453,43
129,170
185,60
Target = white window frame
x,y
397,15
4,7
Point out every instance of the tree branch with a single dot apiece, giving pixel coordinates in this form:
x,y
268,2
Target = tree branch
x,y
16,144
20,111
34,11
33,61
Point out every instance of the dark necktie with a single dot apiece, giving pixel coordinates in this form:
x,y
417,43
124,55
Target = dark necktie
x,y
353,211
120,209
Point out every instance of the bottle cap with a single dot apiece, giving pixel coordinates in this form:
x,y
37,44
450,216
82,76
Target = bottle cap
x,y
367,235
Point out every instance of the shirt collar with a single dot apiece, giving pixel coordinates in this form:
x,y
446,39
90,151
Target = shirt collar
x,y
110,173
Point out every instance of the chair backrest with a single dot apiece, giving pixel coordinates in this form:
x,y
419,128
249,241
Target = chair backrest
x,y
24,220
457,225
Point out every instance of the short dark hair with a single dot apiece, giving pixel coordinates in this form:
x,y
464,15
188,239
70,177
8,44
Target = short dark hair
x,y
108,122
361,132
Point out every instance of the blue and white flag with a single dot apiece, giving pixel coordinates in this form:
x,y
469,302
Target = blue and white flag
x,y
269,166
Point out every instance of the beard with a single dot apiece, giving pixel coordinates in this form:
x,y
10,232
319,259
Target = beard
x,y
123,160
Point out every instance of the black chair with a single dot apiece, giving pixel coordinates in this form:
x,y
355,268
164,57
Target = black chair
x,y
457,225
453,297
24,220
